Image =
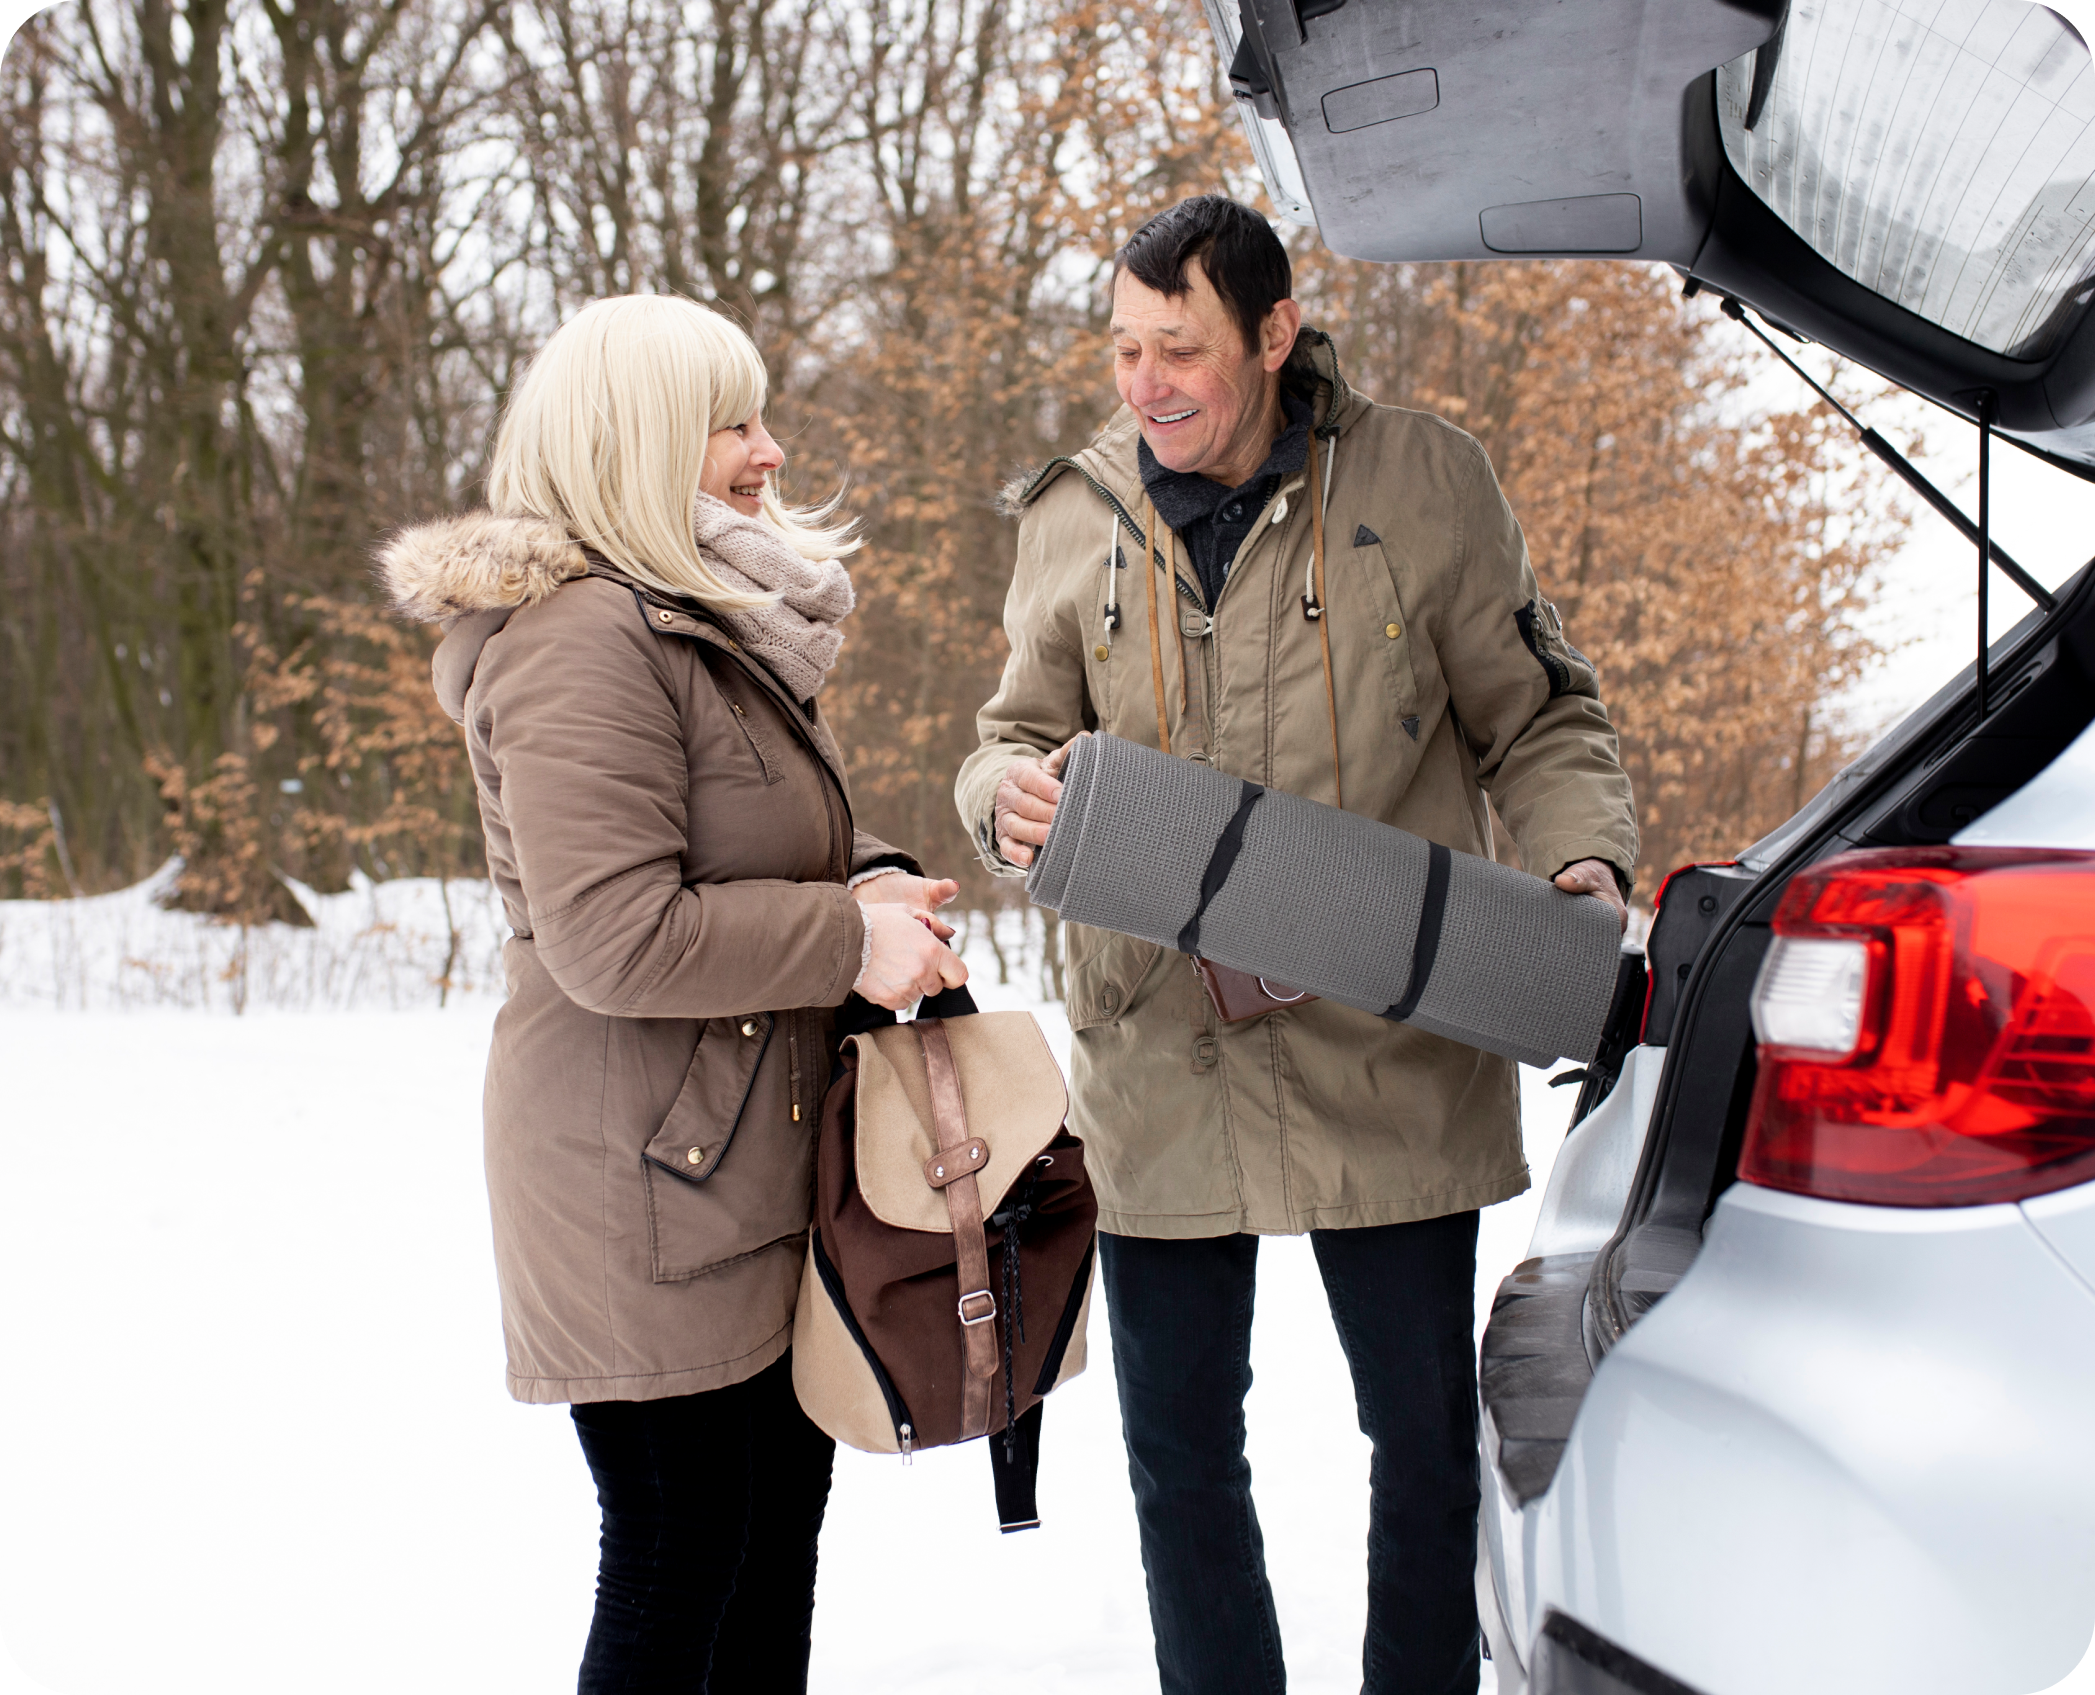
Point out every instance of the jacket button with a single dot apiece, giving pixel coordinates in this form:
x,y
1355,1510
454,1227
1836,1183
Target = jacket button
x,y
1102,653
1392,630
697,1156
749,1026
662,617
1109,998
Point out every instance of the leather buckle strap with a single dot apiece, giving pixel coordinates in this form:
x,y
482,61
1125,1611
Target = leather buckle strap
x,y
949,1165
964,1210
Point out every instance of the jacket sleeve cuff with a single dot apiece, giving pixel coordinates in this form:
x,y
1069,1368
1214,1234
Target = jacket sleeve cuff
x,y
992,856
851,957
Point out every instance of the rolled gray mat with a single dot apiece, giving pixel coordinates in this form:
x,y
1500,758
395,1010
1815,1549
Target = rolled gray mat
x,y
1303,894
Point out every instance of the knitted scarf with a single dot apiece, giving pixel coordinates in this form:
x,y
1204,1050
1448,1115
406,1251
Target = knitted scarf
x,y
798,637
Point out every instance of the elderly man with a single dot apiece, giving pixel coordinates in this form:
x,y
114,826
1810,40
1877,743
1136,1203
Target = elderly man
x,y
1396,659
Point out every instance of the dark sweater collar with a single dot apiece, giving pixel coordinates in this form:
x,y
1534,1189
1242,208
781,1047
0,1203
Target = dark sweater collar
x,y
1186,497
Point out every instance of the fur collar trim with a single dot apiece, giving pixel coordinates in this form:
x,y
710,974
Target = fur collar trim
x,y
476,562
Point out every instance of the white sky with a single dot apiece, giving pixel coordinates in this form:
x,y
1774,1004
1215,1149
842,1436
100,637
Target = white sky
x,y
1928,603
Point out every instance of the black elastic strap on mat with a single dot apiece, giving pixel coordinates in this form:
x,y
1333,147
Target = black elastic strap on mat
x,y
1220,863
1427,944
1016,1508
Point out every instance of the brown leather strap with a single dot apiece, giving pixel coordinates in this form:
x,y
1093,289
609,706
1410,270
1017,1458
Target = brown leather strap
x,y
976,1310
1156,629
1316,519
946,1167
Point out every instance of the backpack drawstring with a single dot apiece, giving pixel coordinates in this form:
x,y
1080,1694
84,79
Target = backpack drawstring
x,y
1009,1218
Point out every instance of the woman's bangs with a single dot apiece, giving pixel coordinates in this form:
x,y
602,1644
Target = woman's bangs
x,y
739,378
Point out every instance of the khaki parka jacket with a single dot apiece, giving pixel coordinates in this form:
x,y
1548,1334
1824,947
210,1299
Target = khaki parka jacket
x,y
671,836
1453,681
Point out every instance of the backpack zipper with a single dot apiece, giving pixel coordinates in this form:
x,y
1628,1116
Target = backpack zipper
x,y
897,1412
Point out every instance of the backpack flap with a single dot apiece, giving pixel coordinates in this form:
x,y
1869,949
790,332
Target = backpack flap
x,y
1016,1101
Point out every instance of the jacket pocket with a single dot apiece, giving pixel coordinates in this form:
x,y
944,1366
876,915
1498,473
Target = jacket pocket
x,y
1106,973
705,1209
1387,632
753,730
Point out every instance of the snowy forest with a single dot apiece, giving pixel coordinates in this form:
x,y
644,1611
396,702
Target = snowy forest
x,y
268,267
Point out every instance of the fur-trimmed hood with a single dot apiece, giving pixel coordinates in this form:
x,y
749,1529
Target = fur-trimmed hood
x,y
469,573
476,562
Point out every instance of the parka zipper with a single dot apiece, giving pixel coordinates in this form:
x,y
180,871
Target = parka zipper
x,y
793,1058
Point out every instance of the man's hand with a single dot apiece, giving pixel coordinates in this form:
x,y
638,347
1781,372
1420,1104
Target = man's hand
x,y
1595,877
1025,803
922,895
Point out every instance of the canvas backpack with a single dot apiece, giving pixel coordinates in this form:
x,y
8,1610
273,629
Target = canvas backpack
x,y
950,1258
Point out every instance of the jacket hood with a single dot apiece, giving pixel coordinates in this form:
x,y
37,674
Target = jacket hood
x,y
441,570
469,574
1312,369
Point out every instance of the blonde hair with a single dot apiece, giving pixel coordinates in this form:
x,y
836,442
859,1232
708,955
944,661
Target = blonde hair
x,y
606,435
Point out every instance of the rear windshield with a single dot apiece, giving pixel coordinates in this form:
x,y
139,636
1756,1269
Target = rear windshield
x,y
1940,152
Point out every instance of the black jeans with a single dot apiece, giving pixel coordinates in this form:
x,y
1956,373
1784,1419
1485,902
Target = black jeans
x,y
712,1504
1403,1297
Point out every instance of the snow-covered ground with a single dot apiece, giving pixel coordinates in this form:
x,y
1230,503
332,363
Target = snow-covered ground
x,y
251,1390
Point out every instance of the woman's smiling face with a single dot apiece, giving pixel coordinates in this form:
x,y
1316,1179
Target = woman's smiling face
x,y
738,460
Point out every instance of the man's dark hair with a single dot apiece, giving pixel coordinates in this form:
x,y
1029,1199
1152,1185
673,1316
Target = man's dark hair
x,y
1242,257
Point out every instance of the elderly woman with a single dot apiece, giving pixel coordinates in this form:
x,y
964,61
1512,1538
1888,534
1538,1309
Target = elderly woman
x,y
637,631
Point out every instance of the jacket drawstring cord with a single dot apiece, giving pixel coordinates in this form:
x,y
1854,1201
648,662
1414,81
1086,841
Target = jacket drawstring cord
x,y
1312,590
1316,616
1156,630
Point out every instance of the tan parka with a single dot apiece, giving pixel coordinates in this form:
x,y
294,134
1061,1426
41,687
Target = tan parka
x,y
671,836
1453,680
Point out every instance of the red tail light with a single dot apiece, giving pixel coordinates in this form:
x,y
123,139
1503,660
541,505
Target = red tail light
x,y
1927,1028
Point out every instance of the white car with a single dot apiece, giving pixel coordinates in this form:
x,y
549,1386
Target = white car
x,y
1795,1391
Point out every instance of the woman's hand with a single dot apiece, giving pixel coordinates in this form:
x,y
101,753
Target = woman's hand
x,y
922,895
906,960
1026,801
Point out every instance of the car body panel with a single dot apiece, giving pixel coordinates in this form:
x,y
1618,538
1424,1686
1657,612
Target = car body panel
x,y
1582,1203
1850,1450
2066,1221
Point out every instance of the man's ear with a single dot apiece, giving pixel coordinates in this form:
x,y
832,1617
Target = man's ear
x,y
1277,334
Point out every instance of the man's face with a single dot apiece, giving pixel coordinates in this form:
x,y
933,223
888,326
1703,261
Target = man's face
x,y
1206,402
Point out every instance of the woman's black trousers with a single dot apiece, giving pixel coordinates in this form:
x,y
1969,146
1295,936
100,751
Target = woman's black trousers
x,y
712,1506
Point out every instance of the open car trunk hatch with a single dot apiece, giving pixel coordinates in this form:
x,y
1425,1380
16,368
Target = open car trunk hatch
x,y
1912,185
